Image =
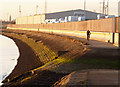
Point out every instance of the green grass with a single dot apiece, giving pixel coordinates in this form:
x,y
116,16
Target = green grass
x,y
97,62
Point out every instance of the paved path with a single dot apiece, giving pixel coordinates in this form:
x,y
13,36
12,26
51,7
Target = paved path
x,y
100,77
93,78
95,43
101,49
103,77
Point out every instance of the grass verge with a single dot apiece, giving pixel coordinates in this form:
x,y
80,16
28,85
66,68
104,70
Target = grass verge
x,y
97,62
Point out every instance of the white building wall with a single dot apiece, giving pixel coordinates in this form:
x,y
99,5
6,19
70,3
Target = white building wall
x,y
30,20
37,19
25,20
119,8
42,18
21,20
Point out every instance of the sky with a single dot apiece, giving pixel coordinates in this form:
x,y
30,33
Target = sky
x,y
28,7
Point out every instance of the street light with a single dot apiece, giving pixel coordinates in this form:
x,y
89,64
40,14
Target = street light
x,y
45,6
36,9
85,8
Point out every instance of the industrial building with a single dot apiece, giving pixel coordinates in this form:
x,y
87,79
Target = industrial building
x,y
119,8
88,14
37,19
34,19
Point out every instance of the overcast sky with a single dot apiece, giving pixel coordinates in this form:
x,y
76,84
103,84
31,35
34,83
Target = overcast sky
x,y
28,7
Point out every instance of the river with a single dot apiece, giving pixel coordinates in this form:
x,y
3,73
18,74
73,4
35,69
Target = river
x,y
9,54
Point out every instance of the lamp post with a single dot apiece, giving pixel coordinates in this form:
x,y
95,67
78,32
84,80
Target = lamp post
x,y
19,10
36,9
85,8
108,7
103,6
45,6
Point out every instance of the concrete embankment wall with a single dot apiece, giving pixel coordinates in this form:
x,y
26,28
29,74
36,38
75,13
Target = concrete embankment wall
x,y
102,30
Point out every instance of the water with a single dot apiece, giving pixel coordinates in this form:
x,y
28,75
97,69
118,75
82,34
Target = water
x,y
9,54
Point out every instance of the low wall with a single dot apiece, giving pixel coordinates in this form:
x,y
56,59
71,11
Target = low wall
x,y
100,36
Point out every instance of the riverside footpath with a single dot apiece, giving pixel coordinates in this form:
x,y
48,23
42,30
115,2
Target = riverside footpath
x,y
97,77
91,63
95,43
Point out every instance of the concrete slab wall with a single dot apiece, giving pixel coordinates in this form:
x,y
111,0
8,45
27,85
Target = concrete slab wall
x,y
103,25
118,24
119,8
118,30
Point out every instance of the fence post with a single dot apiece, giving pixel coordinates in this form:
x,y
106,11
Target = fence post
x,y
114,31
118,31
119,40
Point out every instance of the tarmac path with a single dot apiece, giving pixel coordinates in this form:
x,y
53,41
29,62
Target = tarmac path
x,y
95,43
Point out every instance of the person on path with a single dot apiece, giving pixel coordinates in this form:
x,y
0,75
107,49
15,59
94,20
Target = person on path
x,y
88,35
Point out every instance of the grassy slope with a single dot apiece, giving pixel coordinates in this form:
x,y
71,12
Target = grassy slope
x,y
47,56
